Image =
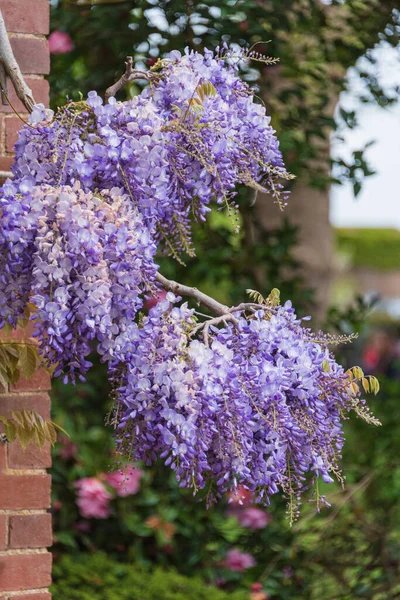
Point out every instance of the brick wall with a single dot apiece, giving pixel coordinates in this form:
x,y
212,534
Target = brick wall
x,y
27,22
25,524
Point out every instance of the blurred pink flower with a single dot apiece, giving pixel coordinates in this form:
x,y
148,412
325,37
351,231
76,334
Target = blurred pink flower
x,y
287,572
256,592
81,526
154,300
126,481
57,505
68,449
60,42
93,498
238,561
240,496
252,518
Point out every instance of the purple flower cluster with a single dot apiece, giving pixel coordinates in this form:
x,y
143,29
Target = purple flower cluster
x,y
190,137
259,408
95,188
82,260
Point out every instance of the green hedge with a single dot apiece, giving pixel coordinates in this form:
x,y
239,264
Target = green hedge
x,y
371,248
98,577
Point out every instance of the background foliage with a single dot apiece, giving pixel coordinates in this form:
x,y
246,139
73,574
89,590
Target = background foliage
x,y
98,576
370,248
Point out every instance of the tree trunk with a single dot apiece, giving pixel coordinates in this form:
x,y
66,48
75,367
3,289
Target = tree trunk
x,y
308,209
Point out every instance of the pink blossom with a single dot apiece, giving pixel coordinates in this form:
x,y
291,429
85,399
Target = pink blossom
x,y
154,300
68,450
238,561
240,496
287,572
57,505
252,518
126,481
60,42
93,498
83,526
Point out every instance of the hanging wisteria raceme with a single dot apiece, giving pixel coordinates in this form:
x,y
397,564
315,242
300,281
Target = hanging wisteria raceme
x,y
259,408
249,400
188,138
85,260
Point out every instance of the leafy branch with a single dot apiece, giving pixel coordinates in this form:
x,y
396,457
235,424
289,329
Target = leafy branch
x,y
29,428
17,359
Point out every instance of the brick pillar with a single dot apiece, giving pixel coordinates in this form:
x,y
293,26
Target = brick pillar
x,y
27,22
25,524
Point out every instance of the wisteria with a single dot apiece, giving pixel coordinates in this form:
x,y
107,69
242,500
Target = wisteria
x,y
248,401
188,138
259,407
82,261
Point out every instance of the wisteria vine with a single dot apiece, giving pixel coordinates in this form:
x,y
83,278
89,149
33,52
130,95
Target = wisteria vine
x,y
249,398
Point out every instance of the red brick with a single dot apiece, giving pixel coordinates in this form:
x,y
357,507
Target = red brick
x,y
12,127
32,54
31,16
38,596
5,162
2,127
30,531
20,492
3,462
38,402
24,571
3,532
40,91
39,382
23,333
31,458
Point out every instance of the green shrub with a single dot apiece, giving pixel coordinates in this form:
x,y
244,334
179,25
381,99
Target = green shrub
x,y
98,577
370,248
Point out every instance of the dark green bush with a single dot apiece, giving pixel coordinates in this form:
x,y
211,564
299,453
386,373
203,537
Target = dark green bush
x,y
98,577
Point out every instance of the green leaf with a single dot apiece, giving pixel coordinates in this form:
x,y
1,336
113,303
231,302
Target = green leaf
x,y
356,188
51,433
230,529
28,360
206,89
63,537
326,366
4,381
365,384
10,431
274,297
255,296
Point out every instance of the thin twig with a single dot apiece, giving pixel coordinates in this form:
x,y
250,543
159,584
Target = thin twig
x,y
205,326
130,75
253,306
12,69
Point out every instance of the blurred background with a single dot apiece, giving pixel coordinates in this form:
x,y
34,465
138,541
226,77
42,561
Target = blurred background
x,y
335,252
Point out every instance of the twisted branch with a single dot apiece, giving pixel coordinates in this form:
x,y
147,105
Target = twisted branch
x,y
223,313
130,75
191,292
11,67
205,326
